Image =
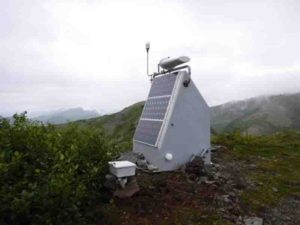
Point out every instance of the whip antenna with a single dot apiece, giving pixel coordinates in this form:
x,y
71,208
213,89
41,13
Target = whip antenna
x,y
147,49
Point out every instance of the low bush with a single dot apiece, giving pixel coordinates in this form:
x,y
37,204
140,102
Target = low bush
x,y
51,175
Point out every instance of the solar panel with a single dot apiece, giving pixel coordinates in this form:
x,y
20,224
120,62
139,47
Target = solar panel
x,y
162,85
155,109
147,131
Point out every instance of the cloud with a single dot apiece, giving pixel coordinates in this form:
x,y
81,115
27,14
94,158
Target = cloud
x,y
59,54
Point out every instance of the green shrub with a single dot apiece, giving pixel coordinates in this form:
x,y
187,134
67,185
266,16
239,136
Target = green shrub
x,y
51,175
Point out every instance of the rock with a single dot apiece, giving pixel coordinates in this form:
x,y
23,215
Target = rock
x,y
252,166
203,180
209,168
139,160
241,184
226,176
195,168
131,156
217,148
239,221
110,184
210,182
274,189
110,177
222,210
130,189
253,221
217,175
232,194
226,199
142,163
216,165
122,181
152,168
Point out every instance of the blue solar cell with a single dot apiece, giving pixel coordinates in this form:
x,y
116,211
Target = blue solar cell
x,y
155,108
162,85
147,131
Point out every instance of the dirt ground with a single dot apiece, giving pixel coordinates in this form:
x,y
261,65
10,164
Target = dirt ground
x,y
191,195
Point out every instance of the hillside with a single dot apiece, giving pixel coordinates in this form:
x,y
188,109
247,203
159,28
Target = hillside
x,y
252,176
119,126
64,116
261,115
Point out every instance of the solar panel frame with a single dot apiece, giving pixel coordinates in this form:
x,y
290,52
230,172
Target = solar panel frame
x,y
155,109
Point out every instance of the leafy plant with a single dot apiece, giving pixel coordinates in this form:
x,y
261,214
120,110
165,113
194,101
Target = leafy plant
x,y
51,175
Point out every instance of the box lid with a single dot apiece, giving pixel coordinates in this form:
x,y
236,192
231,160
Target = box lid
x,y
121,164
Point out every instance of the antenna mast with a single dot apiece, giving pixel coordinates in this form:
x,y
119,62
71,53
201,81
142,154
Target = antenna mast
x,y
147,49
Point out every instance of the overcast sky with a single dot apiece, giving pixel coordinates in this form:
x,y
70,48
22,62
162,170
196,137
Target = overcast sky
x,y
62,54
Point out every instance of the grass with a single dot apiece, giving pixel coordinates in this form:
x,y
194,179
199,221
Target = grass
x,y
192,216
275,176
277,160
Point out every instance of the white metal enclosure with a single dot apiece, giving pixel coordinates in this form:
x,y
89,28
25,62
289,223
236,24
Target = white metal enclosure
x,y
175,123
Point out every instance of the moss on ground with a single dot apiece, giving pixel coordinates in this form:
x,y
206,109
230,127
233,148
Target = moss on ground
x,y
277,165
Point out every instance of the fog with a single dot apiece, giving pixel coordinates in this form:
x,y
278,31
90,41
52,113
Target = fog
x,y
63,54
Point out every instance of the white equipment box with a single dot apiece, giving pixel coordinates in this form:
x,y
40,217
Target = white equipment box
x,y
122,168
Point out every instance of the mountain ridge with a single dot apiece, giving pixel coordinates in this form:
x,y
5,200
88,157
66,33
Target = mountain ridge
x,y
65,116
260,115
256,116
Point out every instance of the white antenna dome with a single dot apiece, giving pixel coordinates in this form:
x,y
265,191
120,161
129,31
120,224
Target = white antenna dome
x,y
170,63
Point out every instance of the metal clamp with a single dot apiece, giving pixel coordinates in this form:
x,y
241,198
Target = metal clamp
x,y
172,70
